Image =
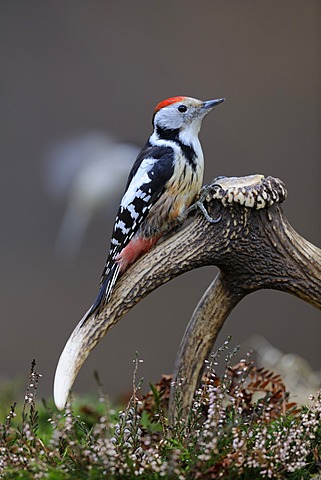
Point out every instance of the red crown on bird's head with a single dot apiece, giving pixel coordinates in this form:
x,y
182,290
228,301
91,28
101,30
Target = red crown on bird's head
x,y
167,102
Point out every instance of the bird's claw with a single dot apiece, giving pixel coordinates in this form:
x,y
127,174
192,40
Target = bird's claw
x,y
200,203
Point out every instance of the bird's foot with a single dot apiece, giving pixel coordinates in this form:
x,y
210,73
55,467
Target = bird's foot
x,y
204,193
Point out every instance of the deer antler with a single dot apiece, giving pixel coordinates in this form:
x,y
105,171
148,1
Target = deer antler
x,y
253,245
261,250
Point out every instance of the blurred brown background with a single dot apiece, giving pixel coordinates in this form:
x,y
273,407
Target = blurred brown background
x,y
72,68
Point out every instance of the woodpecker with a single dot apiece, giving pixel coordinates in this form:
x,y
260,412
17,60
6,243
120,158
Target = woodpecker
x,y
162,184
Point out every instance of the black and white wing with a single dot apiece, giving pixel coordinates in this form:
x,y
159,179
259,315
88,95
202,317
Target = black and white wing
x,y
146,183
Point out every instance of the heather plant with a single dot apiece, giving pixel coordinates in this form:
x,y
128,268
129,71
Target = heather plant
x,y
241,425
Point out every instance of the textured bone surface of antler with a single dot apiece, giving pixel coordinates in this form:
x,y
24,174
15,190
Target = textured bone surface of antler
x,y
253,191
252,244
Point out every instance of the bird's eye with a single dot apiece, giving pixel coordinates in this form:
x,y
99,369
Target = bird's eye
x,y
182,108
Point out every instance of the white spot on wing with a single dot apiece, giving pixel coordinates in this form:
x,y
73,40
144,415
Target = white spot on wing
x,y
132,211
140,194
122,226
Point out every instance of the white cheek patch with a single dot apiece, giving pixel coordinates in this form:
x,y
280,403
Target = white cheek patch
x,y
140,178
169,118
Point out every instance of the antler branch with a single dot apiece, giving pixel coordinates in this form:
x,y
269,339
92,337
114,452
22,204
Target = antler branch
x,y
253,245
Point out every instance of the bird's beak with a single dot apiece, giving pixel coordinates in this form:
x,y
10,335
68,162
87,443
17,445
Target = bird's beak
x,y
208,105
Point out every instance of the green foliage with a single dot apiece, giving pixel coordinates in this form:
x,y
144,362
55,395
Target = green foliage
x,y
241,426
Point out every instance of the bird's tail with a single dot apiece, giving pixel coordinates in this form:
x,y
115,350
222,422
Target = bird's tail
x,y
105,291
